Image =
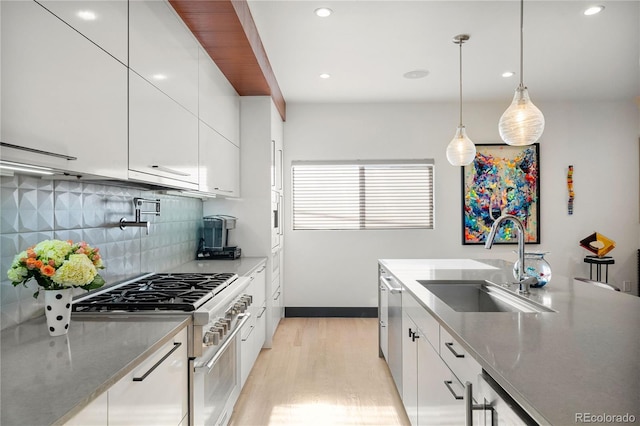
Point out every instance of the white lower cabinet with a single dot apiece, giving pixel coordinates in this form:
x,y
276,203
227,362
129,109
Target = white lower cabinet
x,y
156,392
431,393
253,334
94,414
163,137
64,100
277,306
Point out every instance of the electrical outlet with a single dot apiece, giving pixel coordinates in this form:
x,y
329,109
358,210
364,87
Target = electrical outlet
x,y
626,286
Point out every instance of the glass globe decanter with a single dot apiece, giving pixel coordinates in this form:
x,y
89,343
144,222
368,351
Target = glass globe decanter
x,y
535,266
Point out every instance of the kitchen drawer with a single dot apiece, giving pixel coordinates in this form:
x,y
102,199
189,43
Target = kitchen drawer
x,y
458,360
425,322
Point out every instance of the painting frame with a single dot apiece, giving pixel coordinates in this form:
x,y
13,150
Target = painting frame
x,y
501,179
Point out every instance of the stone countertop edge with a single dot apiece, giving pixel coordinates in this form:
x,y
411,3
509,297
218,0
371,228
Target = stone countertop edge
x,y
579,359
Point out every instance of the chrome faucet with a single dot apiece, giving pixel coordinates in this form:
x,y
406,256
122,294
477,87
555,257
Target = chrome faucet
x,y
524,282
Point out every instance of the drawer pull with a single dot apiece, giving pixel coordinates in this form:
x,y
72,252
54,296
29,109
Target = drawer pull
x,y
168,170
453,351
262,312
448,384
37,151
176,345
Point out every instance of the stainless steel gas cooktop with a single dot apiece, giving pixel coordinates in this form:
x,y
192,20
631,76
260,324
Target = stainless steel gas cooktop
x,y
157,292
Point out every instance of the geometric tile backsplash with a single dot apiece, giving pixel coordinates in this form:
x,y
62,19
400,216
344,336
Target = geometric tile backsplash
x,y
34,209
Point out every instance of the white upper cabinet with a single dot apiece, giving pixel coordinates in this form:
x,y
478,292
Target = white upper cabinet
x,y
163,137
163,51
219,102
61,94
102,22
219,164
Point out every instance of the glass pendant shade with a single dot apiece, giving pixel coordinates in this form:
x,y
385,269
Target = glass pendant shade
x,y
522,123
461,151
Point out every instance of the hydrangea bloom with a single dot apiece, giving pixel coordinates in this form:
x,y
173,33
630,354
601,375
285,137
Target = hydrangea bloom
x,y
77,270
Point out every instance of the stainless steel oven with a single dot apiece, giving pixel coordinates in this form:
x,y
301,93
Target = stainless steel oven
x,y
218,307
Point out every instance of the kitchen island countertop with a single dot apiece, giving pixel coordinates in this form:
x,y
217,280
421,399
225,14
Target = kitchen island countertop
x,y
47,380
580,362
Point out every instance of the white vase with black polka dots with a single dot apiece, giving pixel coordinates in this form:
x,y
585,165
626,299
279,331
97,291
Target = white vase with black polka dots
x,y
57,308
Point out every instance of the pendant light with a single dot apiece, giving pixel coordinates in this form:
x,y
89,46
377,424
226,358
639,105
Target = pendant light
x,y
461,151
522,123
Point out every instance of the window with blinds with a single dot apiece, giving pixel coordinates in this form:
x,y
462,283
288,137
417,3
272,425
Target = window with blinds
x,y
363,195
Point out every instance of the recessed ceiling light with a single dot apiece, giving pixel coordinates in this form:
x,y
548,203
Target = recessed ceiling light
x,y
325,75
508,74
159,77
86,15
323,12
594,10
416,74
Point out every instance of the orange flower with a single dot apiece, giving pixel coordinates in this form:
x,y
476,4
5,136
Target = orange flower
x,y
38,264
31,254
48,270
31,263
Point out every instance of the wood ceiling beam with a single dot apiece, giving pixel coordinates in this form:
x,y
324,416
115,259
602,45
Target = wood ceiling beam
x,y
226,30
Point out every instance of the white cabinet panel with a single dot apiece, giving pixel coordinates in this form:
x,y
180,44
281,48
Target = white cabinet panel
x,y
219,103
161,398
163,51
163,137
103,22
94,414
277,306
61,94
219,163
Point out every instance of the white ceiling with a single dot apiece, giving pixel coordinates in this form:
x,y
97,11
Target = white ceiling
x,y
367,46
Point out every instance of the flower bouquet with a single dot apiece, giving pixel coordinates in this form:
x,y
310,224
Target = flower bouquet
x,y
58,266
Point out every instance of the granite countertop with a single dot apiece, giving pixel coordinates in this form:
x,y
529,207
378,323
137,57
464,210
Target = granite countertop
x,y
243,266
46,380
583,358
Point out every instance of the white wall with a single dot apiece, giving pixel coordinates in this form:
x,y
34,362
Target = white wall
x,y
338,268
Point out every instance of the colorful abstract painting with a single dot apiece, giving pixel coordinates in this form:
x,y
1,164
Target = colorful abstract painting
x,y
502,179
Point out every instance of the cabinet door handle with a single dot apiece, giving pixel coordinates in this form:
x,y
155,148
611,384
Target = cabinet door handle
x,y
448,384
176,345
277,297
250,331
382,324
453,351
386,281
168,170
264,308
229,191
262,269
37,151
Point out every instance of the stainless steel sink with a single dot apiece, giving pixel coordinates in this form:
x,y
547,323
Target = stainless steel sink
x,y
481,296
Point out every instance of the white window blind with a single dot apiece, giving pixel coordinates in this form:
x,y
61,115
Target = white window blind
x,y
363,195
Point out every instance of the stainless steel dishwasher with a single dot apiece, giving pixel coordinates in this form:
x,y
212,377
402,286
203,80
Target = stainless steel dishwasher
x,y
390,304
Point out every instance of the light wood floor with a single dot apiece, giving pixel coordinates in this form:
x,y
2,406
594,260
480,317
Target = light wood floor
x,y
321,371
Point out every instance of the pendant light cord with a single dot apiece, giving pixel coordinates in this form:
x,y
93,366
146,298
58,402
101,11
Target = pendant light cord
x,y
461,82
521,42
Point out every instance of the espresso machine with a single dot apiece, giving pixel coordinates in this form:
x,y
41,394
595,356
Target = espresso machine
x,y
214,239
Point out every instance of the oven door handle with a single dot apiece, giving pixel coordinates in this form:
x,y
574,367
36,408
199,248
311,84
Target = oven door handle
x,y
209,364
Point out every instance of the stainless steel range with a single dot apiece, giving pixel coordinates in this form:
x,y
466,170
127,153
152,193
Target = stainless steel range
x,y
218,306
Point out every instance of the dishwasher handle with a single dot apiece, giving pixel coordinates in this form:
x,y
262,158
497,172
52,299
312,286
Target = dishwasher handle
x,y
386,282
